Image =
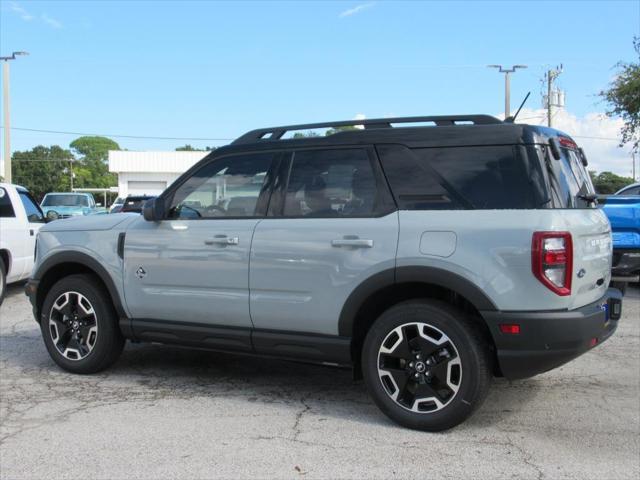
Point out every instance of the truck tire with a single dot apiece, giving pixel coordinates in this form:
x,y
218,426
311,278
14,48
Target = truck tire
x,y
426,365
80,326
3,280
622,286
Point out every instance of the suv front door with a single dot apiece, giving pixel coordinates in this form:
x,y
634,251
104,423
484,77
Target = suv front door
x,y
193,266
331,225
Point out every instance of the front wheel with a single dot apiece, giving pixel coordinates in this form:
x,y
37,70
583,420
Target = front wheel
x,y
79,325
426,365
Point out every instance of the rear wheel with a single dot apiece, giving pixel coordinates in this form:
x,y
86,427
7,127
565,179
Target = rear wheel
x,y
79,325
426,365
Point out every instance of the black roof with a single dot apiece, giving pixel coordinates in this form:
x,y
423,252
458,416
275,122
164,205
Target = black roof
x,y
449,130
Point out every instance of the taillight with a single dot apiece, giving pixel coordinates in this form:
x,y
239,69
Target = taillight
x,y
552,260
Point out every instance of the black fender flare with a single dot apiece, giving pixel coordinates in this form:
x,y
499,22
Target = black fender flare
x,y
413,274
86,261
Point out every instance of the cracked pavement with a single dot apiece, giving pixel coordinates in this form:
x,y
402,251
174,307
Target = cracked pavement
x,y
164,412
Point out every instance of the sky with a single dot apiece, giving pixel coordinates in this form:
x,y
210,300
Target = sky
x,y
212,70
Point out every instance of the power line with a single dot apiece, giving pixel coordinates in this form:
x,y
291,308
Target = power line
x,y
120,136
540,116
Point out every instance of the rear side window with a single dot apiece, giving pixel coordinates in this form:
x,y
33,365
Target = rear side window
x,y
6,209
331,183
488,177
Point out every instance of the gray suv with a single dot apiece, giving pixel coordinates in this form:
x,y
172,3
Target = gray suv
x,y
429,254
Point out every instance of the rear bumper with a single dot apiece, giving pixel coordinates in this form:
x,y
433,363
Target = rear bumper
x,y
548,339
626,265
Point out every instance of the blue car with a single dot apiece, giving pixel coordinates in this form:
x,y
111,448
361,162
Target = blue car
x,y
64,205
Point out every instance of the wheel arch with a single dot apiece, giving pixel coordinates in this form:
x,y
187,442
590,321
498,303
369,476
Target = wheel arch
x,y
387,288
63,264
5,255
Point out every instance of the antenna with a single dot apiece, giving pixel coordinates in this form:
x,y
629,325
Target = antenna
x,y
512,119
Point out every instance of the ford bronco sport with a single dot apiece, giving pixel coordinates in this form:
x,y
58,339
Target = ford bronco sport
x,y
429,258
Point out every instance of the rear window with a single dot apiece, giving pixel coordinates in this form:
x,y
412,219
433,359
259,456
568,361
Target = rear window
x,y
569,180
487,177
6,209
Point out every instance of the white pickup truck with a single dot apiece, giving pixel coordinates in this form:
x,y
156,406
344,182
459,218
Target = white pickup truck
x,y
20,220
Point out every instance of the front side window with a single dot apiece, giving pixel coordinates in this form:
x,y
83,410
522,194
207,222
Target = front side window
x,y
228,187
34,214
6,209
330,183
630,191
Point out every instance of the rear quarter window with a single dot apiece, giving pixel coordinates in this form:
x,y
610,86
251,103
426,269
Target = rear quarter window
x,y
486,177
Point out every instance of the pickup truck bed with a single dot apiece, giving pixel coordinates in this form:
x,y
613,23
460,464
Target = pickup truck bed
x,y
624,214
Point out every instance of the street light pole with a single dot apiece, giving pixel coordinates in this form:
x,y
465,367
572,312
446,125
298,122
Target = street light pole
x,y
6,114
507,85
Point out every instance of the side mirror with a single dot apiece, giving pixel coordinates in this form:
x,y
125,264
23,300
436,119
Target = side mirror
x,y
153,210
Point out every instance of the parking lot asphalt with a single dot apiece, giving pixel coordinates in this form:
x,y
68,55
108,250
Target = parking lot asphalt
x,y
164,412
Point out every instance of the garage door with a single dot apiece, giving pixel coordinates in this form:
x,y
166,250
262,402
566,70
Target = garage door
x,y
146,188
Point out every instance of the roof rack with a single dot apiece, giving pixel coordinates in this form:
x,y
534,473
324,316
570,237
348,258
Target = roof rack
x,y
276,133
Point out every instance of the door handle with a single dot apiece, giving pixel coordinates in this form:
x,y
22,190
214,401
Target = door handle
x,y
178,227
31,232
222,240
352,242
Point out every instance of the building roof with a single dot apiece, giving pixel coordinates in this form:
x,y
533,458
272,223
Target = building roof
x,y
169,162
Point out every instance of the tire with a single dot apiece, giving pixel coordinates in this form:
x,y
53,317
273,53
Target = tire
x,y
3,280
79,325
454,368
622,286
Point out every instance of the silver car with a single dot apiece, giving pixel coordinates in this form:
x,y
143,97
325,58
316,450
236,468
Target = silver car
x,y
427,258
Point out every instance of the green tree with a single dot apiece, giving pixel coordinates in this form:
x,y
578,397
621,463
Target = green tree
x,y
347,128
92,170
607,182
42,169
189,148
623,95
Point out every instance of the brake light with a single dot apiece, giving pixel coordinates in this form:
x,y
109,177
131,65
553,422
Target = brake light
x,y
552,260
567,142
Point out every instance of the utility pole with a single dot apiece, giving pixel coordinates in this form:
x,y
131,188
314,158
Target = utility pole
x,y
507,85
7,122
633,162
551,76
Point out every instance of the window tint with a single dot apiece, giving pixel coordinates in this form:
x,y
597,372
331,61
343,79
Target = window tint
x,y
461,178
330,183
6,209
228,187
569,179
34,214
631,191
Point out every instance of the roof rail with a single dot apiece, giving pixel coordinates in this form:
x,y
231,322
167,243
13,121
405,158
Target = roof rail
x,y
276,133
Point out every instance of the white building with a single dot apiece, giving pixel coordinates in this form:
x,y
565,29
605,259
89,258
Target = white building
x,y
149,173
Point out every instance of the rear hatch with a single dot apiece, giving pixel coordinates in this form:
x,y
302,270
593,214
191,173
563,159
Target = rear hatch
x,y
572,191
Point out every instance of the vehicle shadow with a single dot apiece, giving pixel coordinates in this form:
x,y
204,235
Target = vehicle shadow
x,y
152,373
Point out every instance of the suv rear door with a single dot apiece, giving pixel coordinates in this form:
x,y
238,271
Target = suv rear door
x,y
331,225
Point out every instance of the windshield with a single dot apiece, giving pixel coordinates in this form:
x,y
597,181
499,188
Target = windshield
x,y
65,200
570,182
